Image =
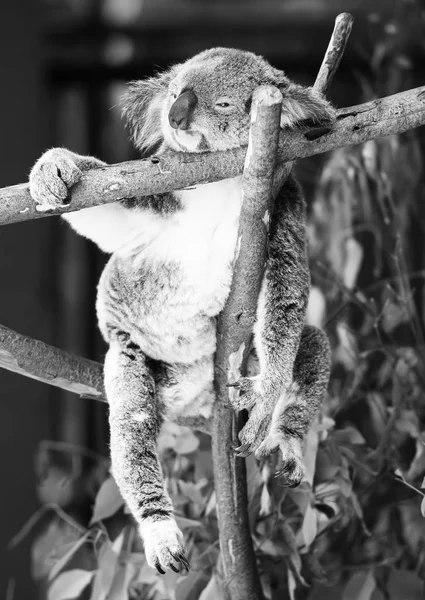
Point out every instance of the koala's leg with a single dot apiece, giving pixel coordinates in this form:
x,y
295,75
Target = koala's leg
x,y
280,317
135,419
290,423
187,392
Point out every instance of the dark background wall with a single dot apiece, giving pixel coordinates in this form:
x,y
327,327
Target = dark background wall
x,y
25,282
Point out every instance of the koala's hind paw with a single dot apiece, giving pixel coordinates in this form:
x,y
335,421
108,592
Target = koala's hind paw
x,y
248,393
51,177
255,430
292,470
164,546
252,396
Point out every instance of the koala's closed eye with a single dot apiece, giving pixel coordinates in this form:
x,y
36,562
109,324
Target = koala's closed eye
x,y
225,105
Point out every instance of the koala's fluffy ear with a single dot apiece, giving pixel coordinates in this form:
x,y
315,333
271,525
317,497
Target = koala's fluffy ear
x,y
302,106
141,110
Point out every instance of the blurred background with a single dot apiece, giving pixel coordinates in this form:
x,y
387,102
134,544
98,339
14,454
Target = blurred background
x,y
63,68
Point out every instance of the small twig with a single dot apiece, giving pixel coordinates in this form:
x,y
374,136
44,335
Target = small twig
x,y
334,52
35,518
409,485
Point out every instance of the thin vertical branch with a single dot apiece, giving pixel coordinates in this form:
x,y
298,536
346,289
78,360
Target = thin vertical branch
x,y
334,52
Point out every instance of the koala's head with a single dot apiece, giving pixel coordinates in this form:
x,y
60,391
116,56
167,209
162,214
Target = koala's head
x,y
204,103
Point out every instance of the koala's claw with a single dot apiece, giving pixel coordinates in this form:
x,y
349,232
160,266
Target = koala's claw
x,y
158,568
292,473
256,428
248,396
180,558
164,546
243,451
292,470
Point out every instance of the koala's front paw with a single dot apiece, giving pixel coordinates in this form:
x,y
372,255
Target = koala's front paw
x,y
164,546
51,177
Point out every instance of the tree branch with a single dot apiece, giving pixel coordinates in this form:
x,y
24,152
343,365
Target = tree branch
x,y
233,342
261,182
334,52
45,363
171,171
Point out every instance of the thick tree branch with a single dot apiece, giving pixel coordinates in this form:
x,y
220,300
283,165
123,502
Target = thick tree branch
x,y
171,171
233,338
261,182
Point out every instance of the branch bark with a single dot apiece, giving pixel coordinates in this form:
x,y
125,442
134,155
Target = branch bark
x,y
45,363
356,124
261,183
334,52
234,332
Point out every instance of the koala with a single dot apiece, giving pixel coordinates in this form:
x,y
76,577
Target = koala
x,y
169,276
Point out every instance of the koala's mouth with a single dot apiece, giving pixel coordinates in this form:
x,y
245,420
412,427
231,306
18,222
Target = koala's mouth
x,y
188,141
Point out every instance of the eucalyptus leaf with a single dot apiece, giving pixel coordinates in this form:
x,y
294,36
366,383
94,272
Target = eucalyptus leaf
x,y
108,501
108,565
70,584
62,561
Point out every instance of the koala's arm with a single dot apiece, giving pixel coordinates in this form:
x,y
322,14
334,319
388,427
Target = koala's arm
x,y
283,298
55,172
281,312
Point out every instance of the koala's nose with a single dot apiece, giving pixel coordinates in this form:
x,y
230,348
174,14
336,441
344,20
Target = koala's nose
x,y
181,110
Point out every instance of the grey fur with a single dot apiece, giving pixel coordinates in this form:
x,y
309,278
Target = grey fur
x,y
169,276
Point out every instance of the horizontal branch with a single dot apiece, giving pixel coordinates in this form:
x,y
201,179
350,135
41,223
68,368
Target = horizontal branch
x,y
48,364
172,171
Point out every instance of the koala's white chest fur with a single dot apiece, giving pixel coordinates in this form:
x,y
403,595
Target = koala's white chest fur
x,y
201,238
173,274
